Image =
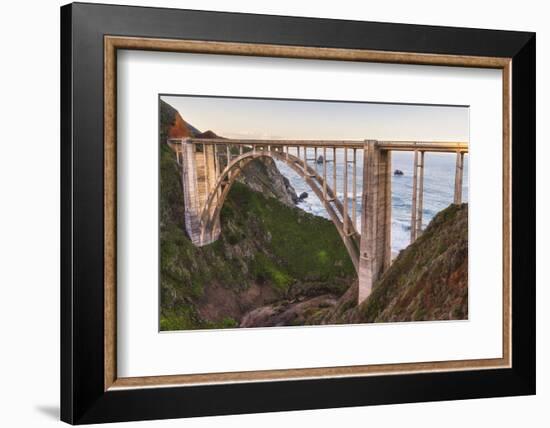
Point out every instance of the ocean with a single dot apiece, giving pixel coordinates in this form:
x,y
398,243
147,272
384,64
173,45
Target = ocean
x,y
439,174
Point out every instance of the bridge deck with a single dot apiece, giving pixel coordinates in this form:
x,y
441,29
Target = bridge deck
x,y
426,146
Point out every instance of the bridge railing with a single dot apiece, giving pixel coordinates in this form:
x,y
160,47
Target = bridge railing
x,y
395,145
225,149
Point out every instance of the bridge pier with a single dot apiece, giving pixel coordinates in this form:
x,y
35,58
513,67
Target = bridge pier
x,y
209,166
190,191
345,191
375,244
417,195
354,190
324,173
420,206
334,178
458,177
196,187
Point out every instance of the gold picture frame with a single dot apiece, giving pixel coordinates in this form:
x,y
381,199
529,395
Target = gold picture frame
x,y
114,43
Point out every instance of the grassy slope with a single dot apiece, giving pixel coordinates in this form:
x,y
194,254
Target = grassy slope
x,y
263,242
294,246
427,281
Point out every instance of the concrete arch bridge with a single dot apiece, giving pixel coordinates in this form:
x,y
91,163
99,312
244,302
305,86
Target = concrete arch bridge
x,y
211,166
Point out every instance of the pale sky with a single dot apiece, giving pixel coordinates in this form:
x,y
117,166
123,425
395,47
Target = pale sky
x,y
327,120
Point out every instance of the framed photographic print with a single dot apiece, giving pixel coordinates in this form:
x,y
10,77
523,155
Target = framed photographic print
x,y
265,213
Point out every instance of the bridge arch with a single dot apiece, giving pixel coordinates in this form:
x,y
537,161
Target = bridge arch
x,y
210,216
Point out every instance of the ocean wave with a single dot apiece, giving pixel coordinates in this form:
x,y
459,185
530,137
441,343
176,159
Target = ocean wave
x,y
358,195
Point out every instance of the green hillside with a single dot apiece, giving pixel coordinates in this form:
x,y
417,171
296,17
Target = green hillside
x,y
427,281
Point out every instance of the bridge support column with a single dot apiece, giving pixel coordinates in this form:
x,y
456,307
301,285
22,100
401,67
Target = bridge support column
x,y
196,183
458,178
375,245
417,195
210,166
354,190
190,191
345,190
420,202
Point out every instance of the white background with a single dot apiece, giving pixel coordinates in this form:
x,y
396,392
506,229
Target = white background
x,y
142,351
29,218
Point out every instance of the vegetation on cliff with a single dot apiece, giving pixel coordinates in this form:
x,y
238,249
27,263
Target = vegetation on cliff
x,y
427,281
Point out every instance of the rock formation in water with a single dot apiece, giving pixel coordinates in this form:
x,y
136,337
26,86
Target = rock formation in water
x,y
263,176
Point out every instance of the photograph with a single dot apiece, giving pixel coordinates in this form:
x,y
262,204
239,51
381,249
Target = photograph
x,y
294,212
265,211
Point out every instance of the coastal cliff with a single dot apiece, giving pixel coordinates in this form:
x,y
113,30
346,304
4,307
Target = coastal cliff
x,y
427,281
